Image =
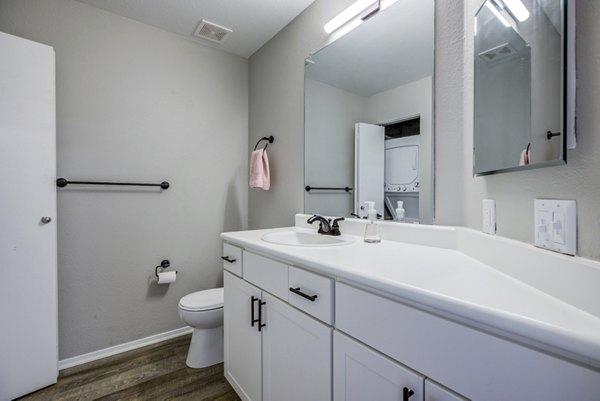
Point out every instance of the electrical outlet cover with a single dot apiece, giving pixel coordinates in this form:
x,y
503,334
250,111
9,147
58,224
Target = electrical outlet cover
x,y
489,216
555,226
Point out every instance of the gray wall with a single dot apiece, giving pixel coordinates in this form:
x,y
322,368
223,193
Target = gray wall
x,y
276,105
579,179
137,103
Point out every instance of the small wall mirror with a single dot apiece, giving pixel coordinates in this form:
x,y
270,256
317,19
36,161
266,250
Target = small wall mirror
x,y
369,117
520,76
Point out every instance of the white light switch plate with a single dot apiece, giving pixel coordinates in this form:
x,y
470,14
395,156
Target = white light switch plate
x,y
489,216
555,226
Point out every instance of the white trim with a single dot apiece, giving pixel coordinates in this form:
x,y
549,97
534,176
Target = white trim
x,y
117,349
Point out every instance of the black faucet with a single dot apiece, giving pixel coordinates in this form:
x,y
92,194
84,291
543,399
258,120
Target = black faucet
x,y
325,226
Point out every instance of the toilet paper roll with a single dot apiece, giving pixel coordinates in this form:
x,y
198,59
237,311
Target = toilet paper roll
x,y
167,277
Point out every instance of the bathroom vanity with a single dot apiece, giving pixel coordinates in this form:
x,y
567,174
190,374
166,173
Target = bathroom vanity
x,y
430,313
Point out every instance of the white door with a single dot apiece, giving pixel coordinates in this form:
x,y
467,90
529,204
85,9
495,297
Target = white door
x,y
242,339
28,294
296,355
369,166
361,374
436,392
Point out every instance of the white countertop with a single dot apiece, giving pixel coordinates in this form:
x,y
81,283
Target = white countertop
x,y
451,284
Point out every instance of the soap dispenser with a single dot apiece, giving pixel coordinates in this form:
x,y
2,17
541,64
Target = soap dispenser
x,y
371,230
400,211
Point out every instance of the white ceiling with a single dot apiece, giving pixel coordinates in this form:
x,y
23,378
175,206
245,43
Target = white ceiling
x,y
253,22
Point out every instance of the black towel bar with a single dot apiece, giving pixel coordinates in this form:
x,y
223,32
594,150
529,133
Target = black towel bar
x,y
63,182
308,188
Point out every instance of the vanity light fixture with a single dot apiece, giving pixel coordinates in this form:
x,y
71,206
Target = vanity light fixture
x,y
359,7
496,13
518,9
357,12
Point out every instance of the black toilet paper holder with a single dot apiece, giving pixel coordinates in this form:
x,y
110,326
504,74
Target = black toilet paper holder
x,y
165,264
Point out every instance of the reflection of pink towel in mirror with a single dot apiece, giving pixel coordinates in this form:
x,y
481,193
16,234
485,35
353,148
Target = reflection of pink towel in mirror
x,y
259,170
525,156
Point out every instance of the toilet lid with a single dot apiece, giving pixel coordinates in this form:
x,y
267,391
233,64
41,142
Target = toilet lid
x,y
203,300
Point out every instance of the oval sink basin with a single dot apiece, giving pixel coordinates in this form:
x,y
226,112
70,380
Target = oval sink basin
x,y
303,238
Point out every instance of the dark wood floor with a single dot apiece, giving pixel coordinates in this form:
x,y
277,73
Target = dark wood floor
x,y
156,372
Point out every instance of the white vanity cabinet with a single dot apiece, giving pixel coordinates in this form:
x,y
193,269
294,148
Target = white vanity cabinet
x,y
296,354
350,324
361,374
472,362
273,351
243,341
232,259
437,392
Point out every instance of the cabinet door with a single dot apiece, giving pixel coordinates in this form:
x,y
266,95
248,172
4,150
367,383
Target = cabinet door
x,y
436,392
296,355
361,374
242,340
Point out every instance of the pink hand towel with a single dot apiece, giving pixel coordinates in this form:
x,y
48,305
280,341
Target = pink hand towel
x,y
259,170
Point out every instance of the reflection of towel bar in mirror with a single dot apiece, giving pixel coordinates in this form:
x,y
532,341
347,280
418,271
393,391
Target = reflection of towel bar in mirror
x,y
269,139
308,188
550,134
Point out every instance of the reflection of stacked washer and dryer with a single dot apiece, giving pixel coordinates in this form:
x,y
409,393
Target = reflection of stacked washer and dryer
x,y
402,177
388,157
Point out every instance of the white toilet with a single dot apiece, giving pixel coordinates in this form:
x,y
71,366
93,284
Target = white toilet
x,y
203,310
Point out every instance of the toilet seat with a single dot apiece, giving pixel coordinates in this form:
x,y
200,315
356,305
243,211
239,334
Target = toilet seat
x,y
202,300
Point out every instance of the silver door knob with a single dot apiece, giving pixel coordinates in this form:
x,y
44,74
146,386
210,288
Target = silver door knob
x,y
46,219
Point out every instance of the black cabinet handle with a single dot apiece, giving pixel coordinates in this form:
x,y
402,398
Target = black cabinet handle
x,y
226,258
252,319
260,323
297,291
407,393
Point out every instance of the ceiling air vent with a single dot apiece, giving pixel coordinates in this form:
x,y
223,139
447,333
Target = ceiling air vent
x,y
213,32
497,53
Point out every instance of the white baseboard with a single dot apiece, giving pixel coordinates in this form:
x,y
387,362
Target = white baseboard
x,y
117,349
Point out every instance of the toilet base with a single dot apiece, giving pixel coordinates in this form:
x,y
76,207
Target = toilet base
x,y
206,348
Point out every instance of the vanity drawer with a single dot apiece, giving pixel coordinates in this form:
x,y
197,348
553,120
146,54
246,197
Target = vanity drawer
x,y
268,274
311,293
232,259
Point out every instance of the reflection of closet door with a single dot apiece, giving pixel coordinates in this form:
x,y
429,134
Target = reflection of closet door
x,y
28,300
369,166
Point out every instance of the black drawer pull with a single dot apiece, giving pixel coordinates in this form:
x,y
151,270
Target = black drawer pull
x,y
252,319
407,394
226,258
297,291
260,323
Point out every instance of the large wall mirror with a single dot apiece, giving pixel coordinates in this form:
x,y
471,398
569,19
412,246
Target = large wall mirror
x,y
369,117
520,75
